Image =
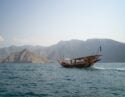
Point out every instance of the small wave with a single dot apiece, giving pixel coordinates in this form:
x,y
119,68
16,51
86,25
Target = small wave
x,y
102,68
34,94
28,94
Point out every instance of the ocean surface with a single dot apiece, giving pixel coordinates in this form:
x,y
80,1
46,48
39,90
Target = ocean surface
x,y
52,80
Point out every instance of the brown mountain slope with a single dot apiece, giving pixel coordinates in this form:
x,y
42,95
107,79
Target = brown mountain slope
x,y
24,56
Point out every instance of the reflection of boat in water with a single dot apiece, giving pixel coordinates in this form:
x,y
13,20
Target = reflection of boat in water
x,y
82,62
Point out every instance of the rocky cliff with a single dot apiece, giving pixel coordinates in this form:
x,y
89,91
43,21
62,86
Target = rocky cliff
x,y
112,51
24,56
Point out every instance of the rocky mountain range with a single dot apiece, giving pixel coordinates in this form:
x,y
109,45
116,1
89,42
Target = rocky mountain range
x,y
24,56
112,51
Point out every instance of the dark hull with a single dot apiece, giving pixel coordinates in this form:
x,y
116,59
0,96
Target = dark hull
x,y
78,65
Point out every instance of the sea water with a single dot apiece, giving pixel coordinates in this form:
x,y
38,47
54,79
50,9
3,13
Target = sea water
x,y
52,80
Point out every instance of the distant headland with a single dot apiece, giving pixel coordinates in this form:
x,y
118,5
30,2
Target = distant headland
x,y
24,56
112,51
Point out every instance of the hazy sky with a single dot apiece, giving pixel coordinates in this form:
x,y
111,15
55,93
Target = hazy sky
x,y
45,22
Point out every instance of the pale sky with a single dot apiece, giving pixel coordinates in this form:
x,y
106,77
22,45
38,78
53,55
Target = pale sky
x,y
46,22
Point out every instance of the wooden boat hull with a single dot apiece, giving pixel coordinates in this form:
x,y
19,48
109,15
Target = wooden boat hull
x,y
66,65
76,66
91,60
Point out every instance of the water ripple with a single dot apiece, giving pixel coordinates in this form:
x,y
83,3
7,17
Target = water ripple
x,y
51,80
